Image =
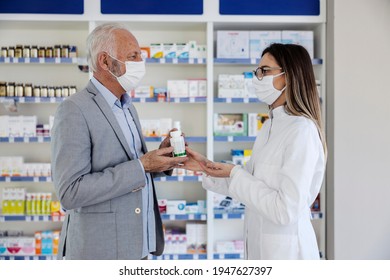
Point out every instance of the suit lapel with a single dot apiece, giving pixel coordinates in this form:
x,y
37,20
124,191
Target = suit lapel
x,y
107,112
134,114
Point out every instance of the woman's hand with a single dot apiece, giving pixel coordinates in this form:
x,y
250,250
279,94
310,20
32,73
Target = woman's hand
x,y
217,169
196,161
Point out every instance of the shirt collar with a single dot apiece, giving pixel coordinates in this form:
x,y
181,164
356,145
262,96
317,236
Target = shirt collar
x,y
277,112
111,99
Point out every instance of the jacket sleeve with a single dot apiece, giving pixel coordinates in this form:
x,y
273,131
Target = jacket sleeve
x,y
284,204
75,183
217,185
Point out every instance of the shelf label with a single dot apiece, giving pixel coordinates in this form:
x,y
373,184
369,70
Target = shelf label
x,y
74,59
175,257
196,257
203,217
27,60
26,139
221,256
11,140
48,179
45,218
191,217
224,216
35,179
37,99
163,179
2,219
40,139
253,60
142,100
172,217
176,100
36,218
199,178
191,61
7,179
180,178
230,138
52,100
166,257
192,99
57,60
16,60
41,60
22,99
162,60
6,60
28,218
175,60
228,100
246,100
200,60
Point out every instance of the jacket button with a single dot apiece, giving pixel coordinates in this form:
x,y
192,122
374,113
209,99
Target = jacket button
x,y
137,210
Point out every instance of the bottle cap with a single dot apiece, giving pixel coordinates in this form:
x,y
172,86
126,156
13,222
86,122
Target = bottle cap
x,y
176,133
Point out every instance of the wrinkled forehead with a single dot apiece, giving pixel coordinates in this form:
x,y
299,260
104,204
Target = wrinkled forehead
x,y
125,42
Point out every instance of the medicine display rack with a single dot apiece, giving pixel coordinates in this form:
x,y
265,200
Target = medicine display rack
x,y
195,114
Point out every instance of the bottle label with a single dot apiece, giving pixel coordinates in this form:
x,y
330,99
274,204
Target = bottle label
x,y
183,154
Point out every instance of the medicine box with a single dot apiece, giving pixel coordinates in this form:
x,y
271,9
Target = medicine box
x,y
156,50
230,86
230,124
169,50
176,207
182,50
232,44
177,88
259,40
255,122
300,37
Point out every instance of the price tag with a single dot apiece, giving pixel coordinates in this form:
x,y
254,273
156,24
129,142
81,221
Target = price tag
x,y
36,218
35,258
242,216
22,99
180,178
45,218
191,61
26,139
55,218
16,60
166,257
192,99
203,217
230,138
163,179
7,179
40,139
196,257
11,139
246,100
35,179
41,60
224,216
253,60
221,256
175,257
74,59
172,217
37,99
191,217
52,100
57,60
28,218
175,60
228,100
200,60
27,60
142,100
2,219
48,179
162,60
176,100
6,60
199,178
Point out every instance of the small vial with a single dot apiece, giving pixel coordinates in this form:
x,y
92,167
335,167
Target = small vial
x,y
34,51
36,91
178,144
41,52
28,90
43,91
4,52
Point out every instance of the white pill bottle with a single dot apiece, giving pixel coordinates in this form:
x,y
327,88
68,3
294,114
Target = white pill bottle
x,y
178,144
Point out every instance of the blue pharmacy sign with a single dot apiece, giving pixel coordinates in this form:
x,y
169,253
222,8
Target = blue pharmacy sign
x,y
270,7
152,7
42,7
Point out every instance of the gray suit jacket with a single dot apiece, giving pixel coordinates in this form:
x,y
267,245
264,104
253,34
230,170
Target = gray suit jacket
x,y
98,182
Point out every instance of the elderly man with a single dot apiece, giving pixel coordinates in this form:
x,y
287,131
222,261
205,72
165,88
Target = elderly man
x,y
102,171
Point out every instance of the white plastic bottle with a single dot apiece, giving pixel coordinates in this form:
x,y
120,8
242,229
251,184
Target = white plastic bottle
x,y
178,144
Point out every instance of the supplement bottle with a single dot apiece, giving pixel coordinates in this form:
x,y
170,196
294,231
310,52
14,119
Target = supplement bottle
x,y
178,144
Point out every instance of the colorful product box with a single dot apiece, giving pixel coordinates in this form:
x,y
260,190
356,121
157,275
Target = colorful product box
x,y
230,124
232,44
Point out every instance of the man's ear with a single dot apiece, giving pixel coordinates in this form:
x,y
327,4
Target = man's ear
x,y
102,61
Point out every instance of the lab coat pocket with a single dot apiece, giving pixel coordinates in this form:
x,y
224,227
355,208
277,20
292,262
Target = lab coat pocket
x,y
279,247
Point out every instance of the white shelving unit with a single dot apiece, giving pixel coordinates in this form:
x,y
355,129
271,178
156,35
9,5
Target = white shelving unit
x,y
195,114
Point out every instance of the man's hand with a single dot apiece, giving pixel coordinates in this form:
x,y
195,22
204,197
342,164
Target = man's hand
x,y
158,161
167,143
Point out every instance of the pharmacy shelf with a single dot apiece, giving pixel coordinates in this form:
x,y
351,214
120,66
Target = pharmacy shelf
x,y
228,256
32,99
234,138
236,100
241,215
190,139
189,100
22,258
184,217
38,139
34,179
200,61
32,218
47,139
179,257
179,179
39,60
252,61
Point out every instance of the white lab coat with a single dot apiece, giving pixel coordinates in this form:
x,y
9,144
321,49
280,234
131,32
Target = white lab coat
x,y
277,186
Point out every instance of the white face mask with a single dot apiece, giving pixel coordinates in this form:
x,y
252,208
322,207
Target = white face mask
x,y
135,71
265,90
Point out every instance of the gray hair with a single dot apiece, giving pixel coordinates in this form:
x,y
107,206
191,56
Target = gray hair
x,y
101,39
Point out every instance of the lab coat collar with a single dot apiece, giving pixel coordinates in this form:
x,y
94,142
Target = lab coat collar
x,y
277,112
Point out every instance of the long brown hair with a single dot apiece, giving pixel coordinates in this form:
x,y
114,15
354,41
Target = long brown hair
x,y
301,91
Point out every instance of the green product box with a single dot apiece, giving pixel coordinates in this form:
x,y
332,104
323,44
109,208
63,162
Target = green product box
x,y
230,124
